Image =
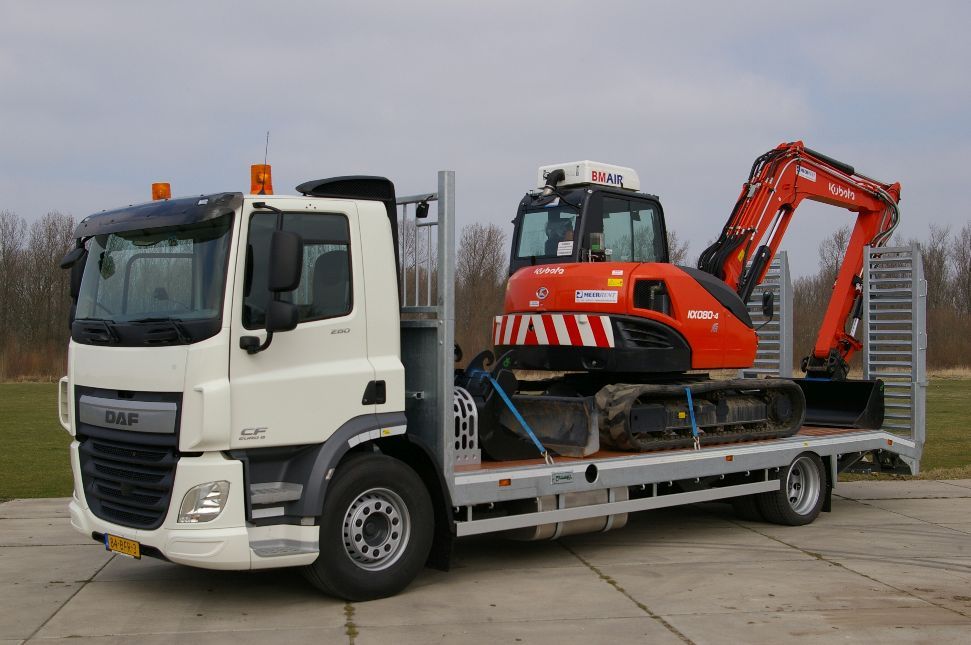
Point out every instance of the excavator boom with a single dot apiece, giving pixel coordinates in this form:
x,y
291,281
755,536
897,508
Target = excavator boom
x,y
779,181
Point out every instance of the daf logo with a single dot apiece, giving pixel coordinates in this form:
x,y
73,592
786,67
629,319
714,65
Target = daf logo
x,y
121,418
542,292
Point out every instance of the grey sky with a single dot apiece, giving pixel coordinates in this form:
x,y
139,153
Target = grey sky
x,y
99,99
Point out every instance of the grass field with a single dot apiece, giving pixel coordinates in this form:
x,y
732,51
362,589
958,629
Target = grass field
x,y
33,445
34,448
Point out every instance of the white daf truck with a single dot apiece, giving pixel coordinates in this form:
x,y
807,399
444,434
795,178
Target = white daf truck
x,y
260,381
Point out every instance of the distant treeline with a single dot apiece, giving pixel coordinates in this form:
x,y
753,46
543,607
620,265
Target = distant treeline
x,y
34,302
947,269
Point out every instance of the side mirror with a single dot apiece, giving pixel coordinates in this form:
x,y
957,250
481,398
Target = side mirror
x,y
286,261
768,304
285,268
77,272
75,260
72,257
281,316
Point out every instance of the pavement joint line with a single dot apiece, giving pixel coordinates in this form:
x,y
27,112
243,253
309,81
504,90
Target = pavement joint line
x,y
350,628
963,620
911,517
613,583
84,583
897,499
823,558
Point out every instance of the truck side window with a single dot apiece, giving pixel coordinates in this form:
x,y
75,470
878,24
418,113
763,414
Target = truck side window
x,y
325,289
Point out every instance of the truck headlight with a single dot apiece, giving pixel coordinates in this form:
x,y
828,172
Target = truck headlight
x,y
204,503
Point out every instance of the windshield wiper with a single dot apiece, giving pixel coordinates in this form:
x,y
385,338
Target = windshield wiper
x,y
174,323
111,336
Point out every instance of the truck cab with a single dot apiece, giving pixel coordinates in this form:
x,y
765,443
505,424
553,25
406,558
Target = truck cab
x,y
224,351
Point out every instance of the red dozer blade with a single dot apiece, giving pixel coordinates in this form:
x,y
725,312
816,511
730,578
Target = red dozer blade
x,y
843,404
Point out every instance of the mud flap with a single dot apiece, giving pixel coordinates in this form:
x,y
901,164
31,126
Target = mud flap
x,y
843,404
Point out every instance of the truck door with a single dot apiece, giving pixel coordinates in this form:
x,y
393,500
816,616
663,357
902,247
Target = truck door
x,y
310,380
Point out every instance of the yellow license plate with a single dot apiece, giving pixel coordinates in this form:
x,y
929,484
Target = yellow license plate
x,y
123,546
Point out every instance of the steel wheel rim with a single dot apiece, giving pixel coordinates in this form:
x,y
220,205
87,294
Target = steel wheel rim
x,y
376,529
803,485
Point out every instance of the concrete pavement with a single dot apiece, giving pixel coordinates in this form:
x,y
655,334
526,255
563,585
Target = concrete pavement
x,y
891,563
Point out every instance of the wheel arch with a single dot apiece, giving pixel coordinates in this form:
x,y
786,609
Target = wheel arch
x,y
416,455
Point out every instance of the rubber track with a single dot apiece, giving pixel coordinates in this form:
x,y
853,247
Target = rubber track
x,y
615,402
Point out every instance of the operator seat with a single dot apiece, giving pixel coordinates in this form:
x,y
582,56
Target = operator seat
x,y
332,285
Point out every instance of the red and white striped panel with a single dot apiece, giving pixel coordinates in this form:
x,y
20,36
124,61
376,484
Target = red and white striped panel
x,y
579,330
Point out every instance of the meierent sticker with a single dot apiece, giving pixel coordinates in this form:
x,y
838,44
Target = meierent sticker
x,y
596,295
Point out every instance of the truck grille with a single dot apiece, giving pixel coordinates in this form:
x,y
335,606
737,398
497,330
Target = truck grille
x,y
127,476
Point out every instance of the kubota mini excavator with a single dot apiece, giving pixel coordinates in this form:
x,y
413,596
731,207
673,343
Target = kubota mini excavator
x,y
592,293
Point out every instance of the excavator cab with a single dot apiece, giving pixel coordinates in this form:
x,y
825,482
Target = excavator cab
x,y
587,212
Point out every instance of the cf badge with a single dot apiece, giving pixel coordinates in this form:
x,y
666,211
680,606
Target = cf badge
x,y
251,434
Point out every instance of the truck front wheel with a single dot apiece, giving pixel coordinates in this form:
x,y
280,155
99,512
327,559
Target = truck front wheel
x,y
375,529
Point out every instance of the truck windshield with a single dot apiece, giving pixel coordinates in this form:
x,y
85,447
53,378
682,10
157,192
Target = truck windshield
x,y
547,232
176,273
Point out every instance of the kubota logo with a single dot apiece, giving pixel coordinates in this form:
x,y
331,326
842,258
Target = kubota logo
x,y
549,271
842,192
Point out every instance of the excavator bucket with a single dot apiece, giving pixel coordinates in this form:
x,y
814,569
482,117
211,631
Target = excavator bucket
x,y
843,404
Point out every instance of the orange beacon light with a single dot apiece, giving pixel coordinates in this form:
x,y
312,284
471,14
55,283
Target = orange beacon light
x,y
161,190
261,179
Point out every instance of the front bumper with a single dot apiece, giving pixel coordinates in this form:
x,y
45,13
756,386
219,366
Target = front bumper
x,y
226,542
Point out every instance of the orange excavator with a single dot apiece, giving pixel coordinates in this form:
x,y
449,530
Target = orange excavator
x,y
593,299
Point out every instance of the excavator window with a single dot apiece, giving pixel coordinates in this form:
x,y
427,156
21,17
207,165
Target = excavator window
x,y
631,231
547,232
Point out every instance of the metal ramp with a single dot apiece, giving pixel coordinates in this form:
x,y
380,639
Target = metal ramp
x,y
774,357
895,336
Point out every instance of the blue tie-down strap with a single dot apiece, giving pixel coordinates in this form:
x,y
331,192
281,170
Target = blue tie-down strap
x,y
691,415
512,408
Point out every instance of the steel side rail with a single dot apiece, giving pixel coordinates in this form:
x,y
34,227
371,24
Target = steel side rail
x,y
490,525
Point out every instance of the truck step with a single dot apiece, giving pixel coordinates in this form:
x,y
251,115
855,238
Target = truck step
x,y
274,492
277,548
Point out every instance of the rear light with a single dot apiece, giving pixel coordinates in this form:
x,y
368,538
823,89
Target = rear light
x,y
161,190
261,179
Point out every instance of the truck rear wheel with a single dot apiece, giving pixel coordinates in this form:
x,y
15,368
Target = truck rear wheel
x,y
800,495
375,529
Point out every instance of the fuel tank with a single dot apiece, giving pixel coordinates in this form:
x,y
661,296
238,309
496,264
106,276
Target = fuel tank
x,y
623,317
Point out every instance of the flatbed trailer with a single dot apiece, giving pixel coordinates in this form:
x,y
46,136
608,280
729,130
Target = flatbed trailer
x,y
662,474
667,477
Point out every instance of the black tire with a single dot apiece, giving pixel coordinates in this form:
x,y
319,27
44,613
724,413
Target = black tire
x,y
801,492
747,508
384,509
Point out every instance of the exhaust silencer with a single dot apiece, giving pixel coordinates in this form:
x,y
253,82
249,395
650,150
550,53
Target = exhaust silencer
x,y
843,404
